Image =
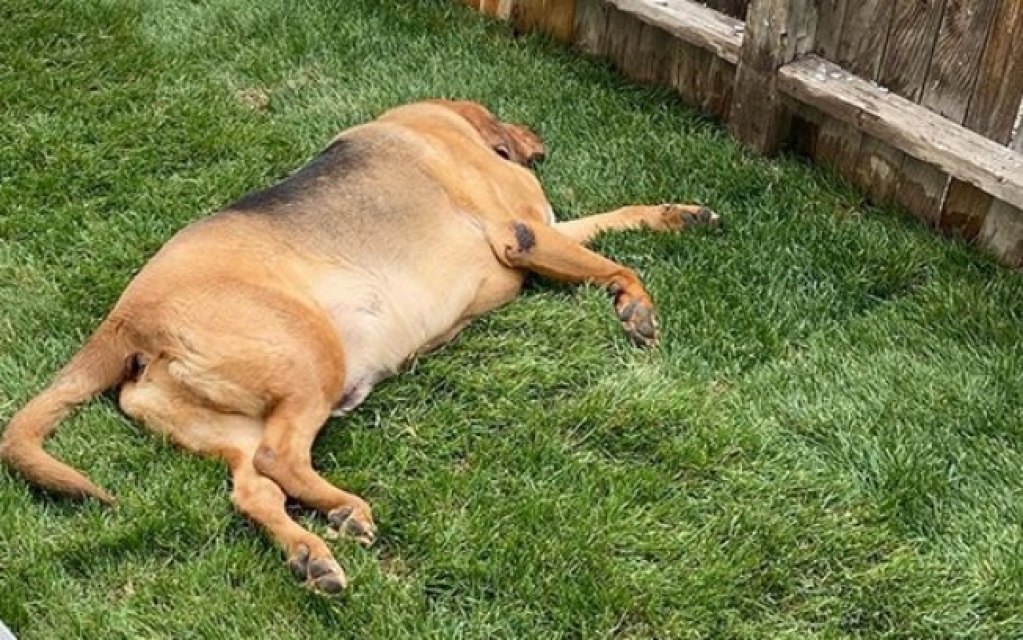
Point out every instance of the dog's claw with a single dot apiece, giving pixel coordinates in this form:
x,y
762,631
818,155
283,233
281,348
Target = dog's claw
x,y
360,527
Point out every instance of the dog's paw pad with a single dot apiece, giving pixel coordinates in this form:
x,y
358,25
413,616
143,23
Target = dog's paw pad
x,y
358,526
322,574
326,575
639,322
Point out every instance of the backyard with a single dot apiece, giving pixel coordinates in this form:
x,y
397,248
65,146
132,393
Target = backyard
x,y
827,443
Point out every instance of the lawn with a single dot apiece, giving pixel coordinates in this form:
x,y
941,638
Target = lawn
x,y
827,443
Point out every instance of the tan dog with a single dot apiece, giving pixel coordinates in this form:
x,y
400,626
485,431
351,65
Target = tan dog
x,y
249,328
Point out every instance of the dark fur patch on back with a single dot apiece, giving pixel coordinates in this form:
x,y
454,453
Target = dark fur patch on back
x,y
524,236
333,163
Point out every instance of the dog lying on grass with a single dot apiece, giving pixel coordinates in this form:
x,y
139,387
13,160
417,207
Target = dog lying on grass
x,y
249,328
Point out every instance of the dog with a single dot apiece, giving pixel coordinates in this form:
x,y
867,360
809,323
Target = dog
x,y
252,326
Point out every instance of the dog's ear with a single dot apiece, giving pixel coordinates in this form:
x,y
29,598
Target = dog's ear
x,y
512,142
529,145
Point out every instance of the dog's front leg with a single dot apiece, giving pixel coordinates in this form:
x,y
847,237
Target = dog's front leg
x,y
544,250
665,217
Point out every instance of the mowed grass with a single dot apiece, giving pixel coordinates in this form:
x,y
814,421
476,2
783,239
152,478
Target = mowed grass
x,y
827,443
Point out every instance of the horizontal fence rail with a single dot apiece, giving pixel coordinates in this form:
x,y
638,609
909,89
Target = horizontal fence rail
x,y
918,103
907,126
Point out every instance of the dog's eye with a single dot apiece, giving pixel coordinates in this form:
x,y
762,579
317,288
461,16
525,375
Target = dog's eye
x,y
503,151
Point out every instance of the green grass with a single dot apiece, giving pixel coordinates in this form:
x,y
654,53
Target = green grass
x,y
827,444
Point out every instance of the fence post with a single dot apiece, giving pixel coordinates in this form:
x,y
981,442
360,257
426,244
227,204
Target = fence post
x,y
777,31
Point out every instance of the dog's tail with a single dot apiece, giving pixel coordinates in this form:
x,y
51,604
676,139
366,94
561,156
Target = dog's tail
x,y
103,362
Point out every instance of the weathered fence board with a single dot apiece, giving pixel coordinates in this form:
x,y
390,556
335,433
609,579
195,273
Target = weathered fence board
x,y
648,46
830,17
996,101
912,35
719,88
992,112
854,35
623,34
822,138
911,128
912,31
685,67
950,78
864,36
591,23
956,56
695,24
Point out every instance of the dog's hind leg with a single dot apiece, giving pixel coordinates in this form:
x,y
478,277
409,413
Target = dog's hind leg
x,y
665,217
546,251
284,455
259,498
283,364
167,409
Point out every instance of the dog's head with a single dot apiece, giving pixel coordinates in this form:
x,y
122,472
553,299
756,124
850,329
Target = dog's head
x,y
512,142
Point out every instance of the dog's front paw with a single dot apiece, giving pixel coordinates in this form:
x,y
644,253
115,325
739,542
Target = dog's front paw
x,y
638,319
684,216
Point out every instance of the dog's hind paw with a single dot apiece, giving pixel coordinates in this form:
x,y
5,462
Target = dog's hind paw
x,y
356,522
321,573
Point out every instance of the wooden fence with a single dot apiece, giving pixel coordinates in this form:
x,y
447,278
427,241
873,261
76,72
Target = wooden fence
x,y
913,100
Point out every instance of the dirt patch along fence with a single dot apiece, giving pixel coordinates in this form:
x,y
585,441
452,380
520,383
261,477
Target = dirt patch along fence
x,y
914,101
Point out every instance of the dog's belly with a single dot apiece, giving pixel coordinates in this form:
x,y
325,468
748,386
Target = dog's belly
x,y
385,321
